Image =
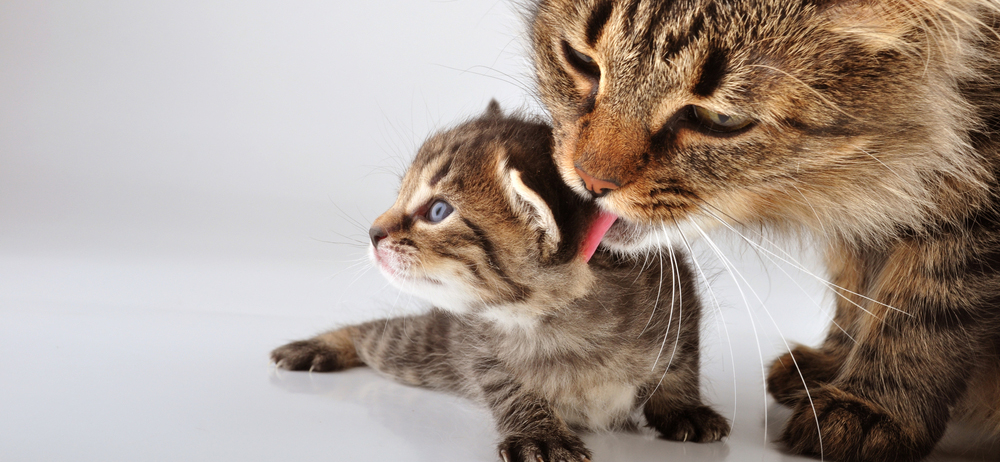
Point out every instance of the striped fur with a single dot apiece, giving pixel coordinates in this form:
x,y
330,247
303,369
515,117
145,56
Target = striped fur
x,y
870,125
524,325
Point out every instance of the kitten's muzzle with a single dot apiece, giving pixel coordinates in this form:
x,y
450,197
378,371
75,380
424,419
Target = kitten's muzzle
x,y
377,233
598,187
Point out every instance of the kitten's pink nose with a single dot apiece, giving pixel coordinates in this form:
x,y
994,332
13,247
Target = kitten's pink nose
x,y
596,186
377,233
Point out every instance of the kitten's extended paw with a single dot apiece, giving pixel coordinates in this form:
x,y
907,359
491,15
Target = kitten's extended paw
x,y
555,447
784,382
853,429
313,355
698,424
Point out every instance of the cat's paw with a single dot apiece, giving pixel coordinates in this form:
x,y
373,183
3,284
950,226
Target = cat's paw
x,y
817,368
555,447
851,429
312,355
698,424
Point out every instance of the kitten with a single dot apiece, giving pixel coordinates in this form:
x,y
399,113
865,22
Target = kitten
x,y
869,124
484,229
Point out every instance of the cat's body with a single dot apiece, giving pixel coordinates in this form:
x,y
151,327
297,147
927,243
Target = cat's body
x,y
872,125
484,228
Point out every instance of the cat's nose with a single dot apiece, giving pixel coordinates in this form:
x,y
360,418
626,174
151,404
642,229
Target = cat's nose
x,y
377,233
596,186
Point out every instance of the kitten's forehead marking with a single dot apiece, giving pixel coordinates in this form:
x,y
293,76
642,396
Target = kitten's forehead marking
x,y
428,182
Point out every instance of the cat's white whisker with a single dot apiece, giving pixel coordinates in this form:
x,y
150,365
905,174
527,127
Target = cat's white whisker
x,y
753,325
784,341
656,302
789,260
717,309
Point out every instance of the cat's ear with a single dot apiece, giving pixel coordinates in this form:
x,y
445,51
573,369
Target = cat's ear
x,y
493,110
536,211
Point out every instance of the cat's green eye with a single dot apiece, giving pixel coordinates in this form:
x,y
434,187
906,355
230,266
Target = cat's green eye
x,y
720,122
580,56
582,63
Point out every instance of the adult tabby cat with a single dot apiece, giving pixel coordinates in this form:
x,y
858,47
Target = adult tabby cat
x,y
870,124
484,228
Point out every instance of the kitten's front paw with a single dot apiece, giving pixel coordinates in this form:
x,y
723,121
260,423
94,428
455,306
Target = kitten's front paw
x,y
557,447
851,429
817,368
313,355
698,424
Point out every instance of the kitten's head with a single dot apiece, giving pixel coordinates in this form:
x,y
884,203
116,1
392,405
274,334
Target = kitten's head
x,y
848,117
483,220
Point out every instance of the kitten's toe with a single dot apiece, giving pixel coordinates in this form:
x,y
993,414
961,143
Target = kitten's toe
x,y
815,367
564,447
851,428
699,424
310,355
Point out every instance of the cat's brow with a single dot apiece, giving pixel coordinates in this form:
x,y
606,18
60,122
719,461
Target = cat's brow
x,y
597,21
712,72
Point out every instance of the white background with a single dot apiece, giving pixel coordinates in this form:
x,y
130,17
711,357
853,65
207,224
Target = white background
x,y
186,185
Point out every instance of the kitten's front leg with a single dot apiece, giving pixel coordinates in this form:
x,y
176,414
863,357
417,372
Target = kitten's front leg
x,y
678,414
327,352
529,427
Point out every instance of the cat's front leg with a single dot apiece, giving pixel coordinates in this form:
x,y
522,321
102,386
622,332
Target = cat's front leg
x,y
806,368
911,362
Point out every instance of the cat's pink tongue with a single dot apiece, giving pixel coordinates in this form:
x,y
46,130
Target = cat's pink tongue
x,y
596,232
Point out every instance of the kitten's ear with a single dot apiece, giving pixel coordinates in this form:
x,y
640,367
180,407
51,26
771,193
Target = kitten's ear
x,y
536,211
493,110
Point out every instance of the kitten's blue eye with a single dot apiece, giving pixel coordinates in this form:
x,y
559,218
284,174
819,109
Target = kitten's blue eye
x,y
439,211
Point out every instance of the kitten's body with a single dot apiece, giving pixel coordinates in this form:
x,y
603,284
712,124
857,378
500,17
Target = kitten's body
x,y
532,330
870,124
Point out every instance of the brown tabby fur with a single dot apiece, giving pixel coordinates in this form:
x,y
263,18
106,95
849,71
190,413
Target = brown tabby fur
x,y
544,339
873,128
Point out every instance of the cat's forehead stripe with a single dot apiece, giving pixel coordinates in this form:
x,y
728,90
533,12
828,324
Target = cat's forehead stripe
x,y
712,72
599,17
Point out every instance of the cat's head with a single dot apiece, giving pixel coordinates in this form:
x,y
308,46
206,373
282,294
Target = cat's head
x,y
849,117
482,220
